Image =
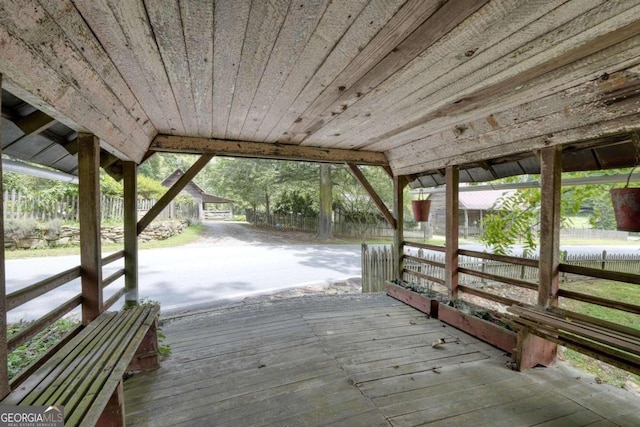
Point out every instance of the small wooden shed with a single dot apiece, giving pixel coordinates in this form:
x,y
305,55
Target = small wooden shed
x,y
210,206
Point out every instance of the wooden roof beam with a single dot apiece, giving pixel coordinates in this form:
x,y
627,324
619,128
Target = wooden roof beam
x,y
359,176
35,123
261,150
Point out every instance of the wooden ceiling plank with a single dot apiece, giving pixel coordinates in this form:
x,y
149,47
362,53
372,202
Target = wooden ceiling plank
x,y
540,96
496,109
265,22
607,121
489,80
367,24
124,31
230,23
444,62
57,97
77,31
45,39
229,148
167,28
197,22
572,107
531,38
408,34
623,124
296,31
334,23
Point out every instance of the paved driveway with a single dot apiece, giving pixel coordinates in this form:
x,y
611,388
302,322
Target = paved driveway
x,y
231,260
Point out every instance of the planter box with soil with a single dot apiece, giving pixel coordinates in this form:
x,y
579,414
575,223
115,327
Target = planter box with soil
x,y
414,299
495,334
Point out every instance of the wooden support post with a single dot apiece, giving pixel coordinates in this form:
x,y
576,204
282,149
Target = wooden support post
x,y
173,192
4,378
399,183
90,250
551,183
452,229
130,234
359,176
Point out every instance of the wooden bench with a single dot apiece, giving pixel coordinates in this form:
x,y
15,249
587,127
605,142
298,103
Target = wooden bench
x,y
85,376
610,342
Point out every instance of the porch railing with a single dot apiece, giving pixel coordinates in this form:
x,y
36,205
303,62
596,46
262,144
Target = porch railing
x,y
38,289
479,272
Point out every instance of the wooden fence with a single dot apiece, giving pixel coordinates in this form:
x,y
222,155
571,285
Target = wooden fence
x,y
377,266
19,206
376,260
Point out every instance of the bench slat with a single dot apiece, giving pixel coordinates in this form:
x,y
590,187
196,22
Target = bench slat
x,y
84,373
627,361
79,362
561,324
56,363
94,412
92,366
104,365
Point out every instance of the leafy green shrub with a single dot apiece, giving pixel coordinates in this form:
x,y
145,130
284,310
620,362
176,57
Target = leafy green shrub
x,y
18,229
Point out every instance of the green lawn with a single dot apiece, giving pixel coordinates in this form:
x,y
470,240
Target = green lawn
x,y
611,290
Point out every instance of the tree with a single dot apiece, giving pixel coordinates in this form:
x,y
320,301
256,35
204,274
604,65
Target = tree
x,y
516,217
325,220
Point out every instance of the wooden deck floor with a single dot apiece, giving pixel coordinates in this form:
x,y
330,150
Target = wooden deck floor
x,y
363,360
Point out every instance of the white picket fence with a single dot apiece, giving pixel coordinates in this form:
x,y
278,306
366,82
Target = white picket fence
x,y
377,266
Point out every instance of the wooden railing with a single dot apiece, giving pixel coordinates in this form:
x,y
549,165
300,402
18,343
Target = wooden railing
x,y
519,272
29,293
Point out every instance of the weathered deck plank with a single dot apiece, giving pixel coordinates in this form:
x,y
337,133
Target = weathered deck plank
x,y
352,361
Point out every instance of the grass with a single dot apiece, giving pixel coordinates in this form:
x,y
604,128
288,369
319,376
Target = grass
x,y
611,290
189,235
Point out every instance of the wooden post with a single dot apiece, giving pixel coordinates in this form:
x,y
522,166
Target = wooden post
x,y
130,234
4,377
90,251
399,182
551,176
452,229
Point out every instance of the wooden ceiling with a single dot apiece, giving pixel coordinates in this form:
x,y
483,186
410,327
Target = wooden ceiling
x,y
421,84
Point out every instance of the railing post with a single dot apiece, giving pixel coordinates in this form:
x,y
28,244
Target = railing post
x,y
551,176
452,230
130,234
399,183
90,248
4,370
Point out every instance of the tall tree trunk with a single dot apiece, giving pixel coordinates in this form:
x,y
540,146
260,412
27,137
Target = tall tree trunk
x,y
325,229
267,203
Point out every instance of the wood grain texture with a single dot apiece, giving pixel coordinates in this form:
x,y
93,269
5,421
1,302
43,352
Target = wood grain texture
x,y
130,220
550,194
4,376
230,25
124,32
359,176
264,150
333,24
167,29
452,230
352,360
367,24
265,21
89,201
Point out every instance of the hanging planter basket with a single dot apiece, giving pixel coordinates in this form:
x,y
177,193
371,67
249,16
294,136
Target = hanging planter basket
x,y
421,209
626,201
626,207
